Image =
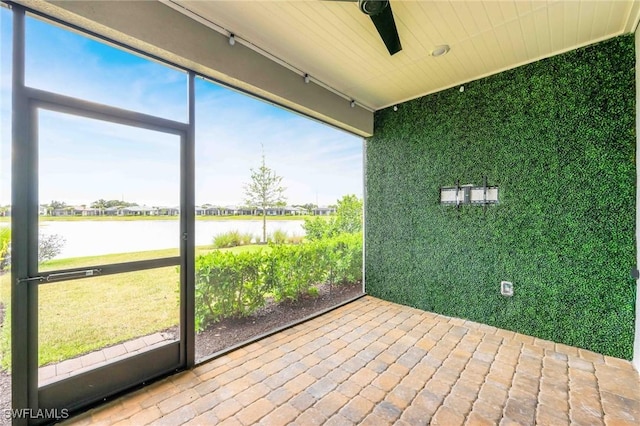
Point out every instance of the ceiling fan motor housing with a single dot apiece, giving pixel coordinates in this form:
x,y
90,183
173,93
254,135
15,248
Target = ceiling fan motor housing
x,y
372,7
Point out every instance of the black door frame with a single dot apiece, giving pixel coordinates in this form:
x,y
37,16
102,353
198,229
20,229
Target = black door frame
x,y
104,381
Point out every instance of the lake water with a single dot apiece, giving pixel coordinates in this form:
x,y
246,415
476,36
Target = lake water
x,y
90,238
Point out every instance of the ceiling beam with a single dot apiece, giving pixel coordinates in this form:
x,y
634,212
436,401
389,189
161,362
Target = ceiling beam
x,y
154,28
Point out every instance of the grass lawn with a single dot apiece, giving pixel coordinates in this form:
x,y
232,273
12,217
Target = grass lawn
x,y
80,316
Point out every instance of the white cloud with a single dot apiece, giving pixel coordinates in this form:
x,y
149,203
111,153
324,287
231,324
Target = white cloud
x,y
315,161
83,160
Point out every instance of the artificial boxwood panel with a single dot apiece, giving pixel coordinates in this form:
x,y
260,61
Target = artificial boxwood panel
x,y
558,139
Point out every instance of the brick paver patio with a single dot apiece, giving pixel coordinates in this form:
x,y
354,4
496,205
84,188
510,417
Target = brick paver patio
x,y
61,370
375,362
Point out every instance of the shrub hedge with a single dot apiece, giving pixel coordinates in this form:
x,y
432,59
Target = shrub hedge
x,y
558,138
5,245
236,285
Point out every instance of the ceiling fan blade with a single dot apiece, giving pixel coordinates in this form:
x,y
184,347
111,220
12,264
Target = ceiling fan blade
x,y
386,27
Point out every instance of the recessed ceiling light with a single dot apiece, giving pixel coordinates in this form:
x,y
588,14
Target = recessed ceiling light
x,y
440,50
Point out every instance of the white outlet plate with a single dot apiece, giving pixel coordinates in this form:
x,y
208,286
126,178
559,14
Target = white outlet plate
x,y
506,288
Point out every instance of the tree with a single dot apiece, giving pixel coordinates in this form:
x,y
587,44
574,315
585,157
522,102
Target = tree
x,y
348,219
349,214
54,205
101,204
318,227
264,191
309,207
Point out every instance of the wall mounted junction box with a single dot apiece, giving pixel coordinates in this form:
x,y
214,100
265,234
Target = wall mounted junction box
x,y
506,288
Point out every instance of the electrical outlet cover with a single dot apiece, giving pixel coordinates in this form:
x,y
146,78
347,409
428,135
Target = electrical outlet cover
x,y
506,288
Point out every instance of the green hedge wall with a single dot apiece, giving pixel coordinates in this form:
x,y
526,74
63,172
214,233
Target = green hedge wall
x,y
558,139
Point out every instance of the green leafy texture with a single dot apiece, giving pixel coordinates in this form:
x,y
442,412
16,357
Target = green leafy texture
x,y
318,227
349,214
228,285
558,139
348,219
5,246
237,285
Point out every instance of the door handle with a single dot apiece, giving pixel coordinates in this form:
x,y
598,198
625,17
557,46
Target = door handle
x,y
72,274
61,276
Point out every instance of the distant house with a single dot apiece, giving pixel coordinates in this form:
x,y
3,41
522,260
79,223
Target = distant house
x,y
323,211
168,211
229,210
139,211
112,211
74,211
65,211
274,211
247,211
284,211
209,210
294,211
88,212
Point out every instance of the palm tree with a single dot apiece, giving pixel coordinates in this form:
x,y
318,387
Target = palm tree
x,y
100,205
56,205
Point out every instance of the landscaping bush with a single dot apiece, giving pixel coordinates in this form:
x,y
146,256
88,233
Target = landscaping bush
x,y
348,219
278,237
349,215
295,239
49,246
236,285
296,269
232,239
345,253
228,285
318,227
5,244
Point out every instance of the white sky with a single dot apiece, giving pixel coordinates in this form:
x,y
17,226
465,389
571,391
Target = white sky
x,y
83,160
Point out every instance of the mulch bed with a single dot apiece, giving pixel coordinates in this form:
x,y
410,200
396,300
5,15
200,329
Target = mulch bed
x,y
231,331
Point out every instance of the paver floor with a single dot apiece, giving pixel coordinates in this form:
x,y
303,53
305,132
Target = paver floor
x,y
375,362
64,369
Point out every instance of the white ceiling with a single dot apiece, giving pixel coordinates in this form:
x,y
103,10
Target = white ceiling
x,y
337,45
